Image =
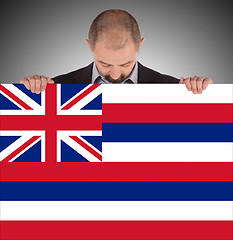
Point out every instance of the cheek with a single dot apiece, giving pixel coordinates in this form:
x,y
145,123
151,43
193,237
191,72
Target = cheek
x,y
128,70
102,70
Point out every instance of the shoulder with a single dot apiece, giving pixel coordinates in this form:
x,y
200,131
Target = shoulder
x,y
147,75
82,75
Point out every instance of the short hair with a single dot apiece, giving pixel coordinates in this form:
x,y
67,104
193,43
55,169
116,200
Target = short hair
x,y
114,19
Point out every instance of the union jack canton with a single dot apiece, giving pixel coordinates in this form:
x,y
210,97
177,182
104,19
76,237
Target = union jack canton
x,y
62,124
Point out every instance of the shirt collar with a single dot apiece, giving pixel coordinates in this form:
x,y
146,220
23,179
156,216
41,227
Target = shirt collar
x,y
95,74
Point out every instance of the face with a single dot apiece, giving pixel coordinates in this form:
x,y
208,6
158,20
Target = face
x,y
115,65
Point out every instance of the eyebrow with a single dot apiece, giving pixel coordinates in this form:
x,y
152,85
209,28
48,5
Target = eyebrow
x,y
111,64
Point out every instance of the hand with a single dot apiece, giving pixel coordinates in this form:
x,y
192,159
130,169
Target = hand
x,y
196,84
36,83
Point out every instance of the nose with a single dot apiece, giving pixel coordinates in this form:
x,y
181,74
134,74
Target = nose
x,y
115,73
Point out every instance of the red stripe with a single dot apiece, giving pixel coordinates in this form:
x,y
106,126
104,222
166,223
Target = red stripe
x,y
15,98
102,171
117,230
45,122
85,146
51,124
81,96
168,113
20,149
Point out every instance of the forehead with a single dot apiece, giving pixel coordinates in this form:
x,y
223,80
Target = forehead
x,y
115,56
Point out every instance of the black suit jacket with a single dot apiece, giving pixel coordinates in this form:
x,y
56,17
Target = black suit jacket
x,y
145,75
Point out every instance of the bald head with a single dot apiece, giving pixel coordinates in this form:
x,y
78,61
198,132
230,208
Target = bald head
x,y
115,29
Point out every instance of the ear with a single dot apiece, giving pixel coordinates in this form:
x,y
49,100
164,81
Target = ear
x,y
142,40
87,42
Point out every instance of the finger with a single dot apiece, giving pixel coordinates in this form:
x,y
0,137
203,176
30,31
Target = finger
x,y
32,82
188,84
206,82
44,82
199,84
25,82
38,84
181,80
193,83
50,81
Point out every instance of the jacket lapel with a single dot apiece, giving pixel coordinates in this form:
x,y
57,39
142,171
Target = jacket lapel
x,y
143,76
85,77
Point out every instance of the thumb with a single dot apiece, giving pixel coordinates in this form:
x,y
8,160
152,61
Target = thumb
x,y
50,81
181,80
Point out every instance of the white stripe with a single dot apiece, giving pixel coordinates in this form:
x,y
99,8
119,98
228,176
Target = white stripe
x,y
116,210
167,152
165,93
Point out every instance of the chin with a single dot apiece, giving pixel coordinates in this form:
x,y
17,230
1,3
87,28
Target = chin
x,y
119,80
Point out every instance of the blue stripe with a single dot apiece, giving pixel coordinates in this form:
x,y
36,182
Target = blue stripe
x,y
122,191
167,132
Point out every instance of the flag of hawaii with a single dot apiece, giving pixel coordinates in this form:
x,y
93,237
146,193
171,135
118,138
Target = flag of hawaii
x,y
116,162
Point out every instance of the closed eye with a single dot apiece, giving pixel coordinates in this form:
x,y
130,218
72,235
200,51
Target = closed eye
x,y
105,65
125,65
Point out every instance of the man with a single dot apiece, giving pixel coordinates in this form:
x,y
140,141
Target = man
x,y
115,40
